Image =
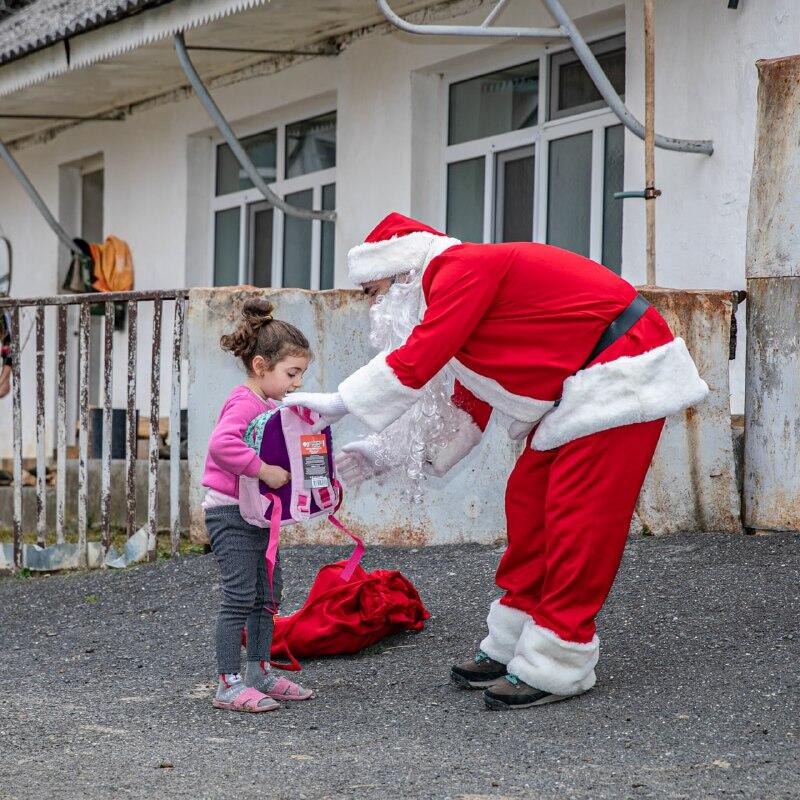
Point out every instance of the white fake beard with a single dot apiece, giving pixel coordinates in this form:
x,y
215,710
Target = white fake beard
x,y
432,420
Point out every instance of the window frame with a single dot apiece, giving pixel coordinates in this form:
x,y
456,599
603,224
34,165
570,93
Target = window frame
x,y
539,136
243,198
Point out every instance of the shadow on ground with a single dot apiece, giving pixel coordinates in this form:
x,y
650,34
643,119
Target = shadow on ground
x,y
108,678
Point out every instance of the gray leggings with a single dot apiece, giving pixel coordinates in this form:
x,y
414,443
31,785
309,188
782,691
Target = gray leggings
x,y
246,599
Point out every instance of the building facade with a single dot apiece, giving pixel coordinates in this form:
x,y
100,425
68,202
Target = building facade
x,y
492,140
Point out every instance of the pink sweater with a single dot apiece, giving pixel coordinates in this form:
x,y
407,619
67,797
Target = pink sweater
x,y
228,455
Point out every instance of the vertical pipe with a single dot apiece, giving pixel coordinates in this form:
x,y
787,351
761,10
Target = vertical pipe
x,y
41,486
175,429
83,434
105,484
61,446
649,139
155,396
17,434
130,466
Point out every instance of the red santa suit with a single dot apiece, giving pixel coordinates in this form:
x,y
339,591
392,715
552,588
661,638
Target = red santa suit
x,y
515,323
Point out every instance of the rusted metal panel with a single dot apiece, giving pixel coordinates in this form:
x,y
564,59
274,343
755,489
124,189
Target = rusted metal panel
x,y
105,488
41,509
83,429
465,506
691,485
772,405
155,398
16,406
92,297
175,428
61,422
773,235
130,453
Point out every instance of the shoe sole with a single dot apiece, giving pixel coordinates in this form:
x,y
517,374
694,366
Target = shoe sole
x,y
499,705
466,683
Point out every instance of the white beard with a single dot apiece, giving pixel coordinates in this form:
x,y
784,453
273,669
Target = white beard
x,y
432,420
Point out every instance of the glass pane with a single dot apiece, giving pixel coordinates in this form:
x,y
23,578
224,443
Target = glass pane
x,y
569,192
92,206
514,198
297,244
502,101
261,244
574,89
612,209
311,145
465,200
226,247
328,255
262,149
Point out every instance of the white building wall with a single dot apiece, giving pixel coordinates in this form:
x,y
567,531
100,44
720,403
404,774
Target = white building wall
x,y
390,93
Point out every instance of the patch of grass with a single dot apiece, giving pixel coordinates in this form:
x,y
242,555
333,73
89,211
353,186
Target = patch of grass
x,y
91,598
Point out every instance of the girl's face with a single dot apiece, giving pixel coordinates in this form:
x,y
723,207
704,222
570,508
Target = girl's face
x,y
285,377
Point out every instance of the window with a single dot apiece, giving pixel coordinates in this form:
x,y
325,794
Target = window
x,y
512,175
257,244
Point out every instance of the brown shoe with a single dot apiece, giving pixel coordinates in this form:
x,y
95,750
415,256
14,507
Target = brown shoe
x,y
477,673
511,692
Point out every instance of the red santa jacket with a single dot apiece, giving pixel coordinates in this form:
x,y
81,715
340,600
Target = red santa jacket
x,y
515,322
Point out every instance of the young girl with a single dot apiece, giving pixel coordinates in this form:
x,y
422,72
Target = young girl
x,y
275,355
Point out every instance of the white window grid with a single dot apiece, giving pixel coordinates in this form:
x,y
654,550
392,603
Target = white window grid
x,y
538,136
282,187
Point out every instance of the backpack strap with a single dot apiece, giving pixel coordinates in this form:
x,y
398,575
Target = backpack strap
x,y
271,554
292,423
358,550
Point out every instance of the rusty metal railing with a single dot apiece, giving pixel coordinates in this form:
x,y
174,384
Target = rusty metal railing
x,y
85,301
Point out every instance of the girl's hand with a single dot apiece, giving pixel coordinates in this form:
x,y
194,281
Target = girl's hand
x,y
274,477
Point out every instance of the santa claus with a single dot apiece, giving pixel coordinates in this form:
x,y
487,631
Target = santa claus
x,y
563,353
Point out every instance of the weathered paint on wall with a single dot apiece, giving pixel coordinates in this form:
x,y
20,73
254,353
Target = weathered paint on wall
x,y
467,505
692,483
771,490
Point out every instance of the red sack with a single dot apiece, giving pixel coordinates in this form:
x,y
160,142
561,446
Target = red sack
x,y
341,617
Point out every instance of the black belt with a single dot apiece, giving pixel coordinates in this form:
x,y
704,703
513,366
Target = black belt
x,y
629,316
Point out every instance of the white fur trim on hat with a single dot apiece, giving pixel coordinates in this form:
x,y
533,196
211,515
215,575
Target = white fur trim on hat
x,y
375,394
628,390
552,664
374,260
505,626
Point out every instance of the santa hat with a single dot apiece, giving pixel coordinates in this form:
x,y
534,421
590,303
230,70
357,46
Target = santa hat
x,y
397,244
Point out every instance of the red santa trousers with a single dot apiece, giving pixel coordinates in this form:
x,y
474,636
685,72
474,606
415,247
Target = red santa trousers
x,y
568,514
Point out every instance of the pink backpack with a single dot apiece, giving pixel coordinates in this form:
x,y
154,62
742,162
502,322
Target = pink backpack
x,y
282,436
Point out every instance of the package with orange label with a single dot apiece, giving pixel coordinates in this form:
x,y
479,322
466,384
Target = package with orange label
x,y
314,450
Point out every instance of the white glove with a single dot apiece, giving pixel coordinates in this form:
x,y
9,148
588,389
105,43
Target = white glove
x,y
330,407
442,459
357,462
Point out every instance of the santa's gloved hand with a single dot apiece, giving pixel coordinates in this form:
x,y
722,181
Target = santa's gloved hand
x,y
518,430
442,458
329,406
357,462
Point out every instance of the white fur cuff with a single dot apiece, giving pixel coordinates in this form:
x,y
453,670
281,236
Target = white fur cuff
x,y
375,394
466,437
629,390
505,626
552,664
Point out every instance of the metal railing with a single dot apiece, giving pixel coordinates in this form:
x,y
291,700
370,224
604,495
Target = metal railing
x,y
85,301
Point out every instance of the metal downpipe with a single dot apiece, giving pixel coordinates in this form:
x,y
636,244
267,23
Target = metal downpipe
x,y
236,148
30,189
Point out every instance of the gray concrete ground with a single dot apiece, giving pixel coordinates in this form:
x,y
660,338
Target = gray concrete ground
x,y
107,684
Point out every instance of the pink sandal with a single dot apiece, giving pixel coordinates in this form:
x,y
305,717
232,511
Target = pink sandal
x,y
284,689
247,700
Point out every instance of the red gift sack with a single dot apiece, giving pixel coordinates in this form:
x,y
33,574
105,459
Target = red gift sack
x,y
342,617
